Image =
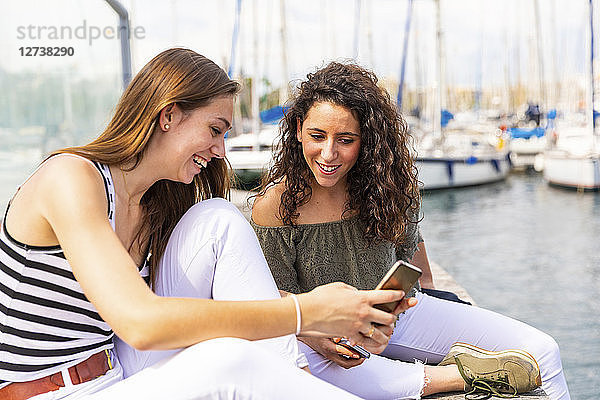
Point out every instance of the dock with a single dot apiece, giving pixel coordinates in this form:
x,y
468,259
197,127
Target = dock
x,y
537,394
442,280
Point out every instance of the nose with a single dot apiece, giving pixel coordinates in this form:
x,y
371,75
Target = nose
x,y
329,151
218,149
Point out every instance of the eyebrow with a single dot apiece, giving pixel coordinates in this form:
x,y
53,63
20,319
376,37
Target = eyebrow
x,y
339,133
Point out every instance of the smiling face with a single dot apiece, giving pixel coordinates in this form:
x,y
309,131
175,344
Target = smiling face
x,y
194,138
330,136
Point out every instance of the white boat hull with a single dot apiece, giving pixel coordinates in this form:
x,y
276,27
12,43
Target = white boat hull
x,y
524,151
439,173
578,172
251,153
256,161
533,145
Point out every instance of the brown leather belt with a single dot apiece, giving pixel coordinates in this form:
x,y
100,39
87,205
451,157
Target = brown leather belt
x,y
91,368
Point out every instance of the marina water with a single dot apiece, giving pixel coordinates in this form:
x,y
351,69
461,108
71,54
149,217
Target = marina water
x,y
529,251
519,247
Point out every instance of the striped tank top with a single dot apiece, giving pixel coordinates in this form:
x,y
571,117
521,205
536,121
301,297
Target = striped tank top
x,y
46,322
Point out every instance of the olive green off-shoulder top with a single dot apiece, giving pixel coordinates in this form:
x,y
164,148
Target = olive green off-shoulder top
x,y
305,256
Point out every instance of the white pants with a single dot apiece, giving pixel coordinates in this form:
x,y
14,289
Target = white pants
x,y
425,333
213,253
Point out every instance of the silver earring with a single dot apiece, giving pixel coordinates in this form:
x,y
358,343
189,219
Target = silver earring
x,y
166,126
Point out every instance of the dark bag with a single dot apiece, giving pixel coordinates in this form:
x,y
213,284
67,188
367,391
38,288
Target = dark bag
x,y
444,295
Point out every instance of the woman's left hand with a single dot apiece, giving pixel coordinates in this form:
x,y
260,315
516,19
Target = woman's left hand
x,y
386,331
405,304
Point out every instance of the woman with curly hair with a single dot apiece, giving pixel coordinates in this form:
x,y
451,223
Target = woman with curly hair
x,y
341,203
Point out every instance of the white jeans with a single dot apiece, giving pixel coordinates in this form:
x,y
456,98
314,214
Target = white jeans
x,y
213,253
424,334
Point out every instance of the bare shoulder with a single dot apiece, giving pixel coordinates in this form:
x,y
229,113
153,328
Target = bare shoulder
x,y
65,170
62,186
66,181
265,209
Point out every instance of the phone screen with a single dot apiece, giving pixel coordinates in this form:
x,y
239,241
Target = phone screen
x,y
402,276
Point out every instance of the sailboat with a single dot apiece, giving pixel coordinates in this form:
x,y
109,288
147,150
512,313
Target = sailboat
x,y
461,158
250,154
574,160
527,144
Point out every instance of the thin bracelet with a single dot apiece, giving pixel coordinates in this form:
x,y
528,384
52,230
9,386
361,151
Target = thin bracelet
x,y
298,315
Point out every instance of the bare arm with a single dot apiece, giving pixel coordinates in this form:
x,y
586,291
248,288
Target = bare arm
x,y
421,260
75,209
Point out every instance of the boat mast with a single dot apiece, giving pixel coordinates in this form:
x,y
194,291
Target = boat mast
x,y
419,74
255,79
404,54
234,38
356,28
237,119
554,92
592,97
538,36
369,22
507,81
517,94
284,92
440,103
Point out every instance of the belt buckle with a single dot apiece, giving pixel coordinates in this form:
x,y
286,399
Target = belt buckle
x,y
110,366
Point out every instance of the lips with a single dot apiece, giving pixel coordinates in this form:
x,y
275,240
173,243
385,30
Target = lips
x,y
327,169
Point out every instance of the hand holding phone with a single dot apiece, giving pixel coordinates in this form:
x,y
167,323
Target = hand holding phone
x,y
401,276
362,353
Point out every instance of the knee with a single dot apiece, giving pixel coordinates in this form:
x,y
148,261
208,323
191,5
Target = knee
x,y
544,349
212,212
211,218
207,208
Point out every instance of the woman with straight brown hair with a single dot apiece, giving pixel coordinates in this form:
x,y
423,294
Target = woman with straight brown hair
x,y
130,235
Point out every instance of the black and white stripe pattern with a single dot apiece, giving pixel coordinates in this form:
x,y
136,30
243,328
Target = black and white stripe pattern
x,y
46,322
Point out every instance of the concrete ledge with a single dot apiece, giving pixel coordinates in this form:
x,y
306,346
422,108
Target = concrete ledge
x,y
444,281
535,395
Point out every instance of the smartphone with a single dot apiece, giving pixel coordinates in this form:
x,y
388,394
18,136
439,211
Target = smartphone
x,y
357,349
402,276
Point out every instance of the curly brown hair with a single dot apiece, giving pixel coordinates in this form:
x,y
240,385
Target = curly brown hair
x,y
383,182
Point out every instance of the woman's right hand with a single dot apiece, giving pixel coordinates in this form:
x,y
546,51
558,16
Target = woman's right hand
x,y
338,309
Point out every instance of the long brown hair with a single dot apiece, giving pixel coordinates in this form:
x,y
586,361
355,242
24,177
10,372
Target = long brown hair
x,y
175,76
383,183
